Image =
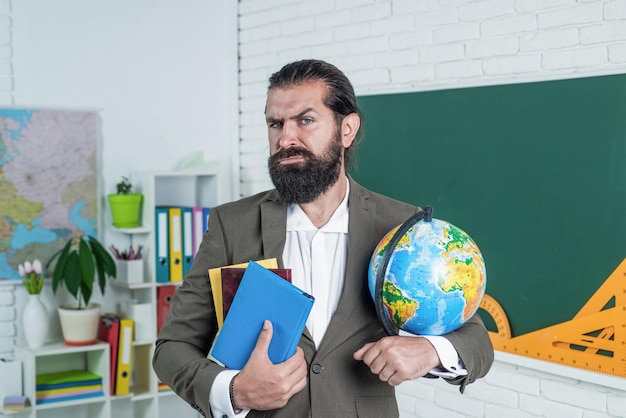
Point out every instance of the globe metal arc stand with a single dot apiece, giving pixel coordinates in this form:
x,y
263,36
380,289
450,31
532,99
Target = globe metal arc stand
x,y
425,215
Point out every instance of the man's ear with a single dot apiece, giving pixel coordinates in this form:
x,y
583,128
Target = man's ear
x,y
349,128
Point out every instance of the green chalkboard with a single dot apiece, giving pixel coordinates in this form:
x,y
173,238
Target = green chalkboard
x,y
534,172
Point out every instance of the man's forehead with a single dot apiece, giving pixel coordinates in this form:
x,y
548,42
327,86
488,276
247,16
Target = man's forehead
x,y
296,98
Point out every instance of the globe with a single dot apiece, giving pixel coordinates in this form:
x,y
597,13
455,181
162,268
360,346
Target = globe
x,y
426,276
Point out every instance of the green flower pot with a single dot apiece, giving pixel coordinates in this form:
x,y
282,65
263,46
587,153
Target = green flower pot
x,y
126,210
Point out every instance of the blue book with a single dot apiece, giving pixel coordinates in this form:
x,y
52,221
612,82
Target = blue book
x,y
262,295
70,398
68,384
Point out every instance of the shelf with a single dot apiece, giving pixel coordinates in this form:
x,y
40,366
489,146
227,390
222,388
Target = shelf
x,y
25,411
131,286
132,231
63,404
62,348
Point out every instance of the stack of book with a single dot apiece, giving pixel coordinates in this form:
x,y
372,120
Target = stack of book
x,y
163,387
15,403
66,386
247,295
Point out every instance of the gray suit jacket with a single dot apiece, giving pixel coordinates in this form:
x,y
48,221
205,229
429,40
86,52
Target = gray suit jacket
x,y
254,228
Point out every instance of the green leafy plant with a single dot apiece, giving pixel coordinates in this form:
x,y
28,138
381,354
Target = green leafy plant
x,y
33,276
78,263
124,186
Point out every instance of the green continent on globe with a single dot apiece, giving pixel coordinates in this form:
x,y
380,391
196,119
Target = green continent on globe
x,y
400,308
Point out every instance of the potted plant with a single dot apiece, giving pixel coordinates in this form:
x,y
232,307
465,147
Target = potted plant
x,y
34,316
76,267
125,205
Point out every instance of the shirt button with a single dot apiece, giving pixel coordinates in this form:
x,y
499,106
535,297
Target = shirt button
x,y
317,369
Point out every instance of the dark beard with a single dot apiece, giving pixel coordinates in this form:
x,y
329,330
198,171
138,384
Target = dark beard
x,y
303,183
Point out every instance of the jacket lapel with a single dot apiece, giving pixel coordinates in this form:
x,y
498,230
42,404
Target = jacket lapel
x,y
273,221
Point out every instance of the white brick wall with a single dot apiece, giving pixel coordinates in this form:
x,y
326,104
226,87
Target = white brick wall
x,y
407,45
7,320
7,300
415,45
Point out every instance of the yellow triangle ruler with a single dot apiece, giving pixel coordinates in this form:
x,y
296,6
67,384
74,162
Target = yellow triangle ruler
x,y
595,339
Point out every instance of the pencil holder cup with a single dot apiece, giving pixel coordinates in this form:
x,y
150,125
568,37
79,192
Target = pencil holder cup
x,y
130,271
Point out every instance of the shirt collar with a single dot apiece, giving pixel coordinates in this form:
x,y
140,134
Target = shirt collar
x,y
298,221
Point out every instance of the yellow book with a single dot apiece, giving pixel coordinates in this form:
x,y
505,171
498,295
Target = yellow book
x,y
70,389
215,277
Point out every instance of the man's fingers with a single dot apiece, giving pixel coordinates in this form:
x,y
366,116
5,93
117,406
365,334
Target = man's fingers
x,y
265,337
360,353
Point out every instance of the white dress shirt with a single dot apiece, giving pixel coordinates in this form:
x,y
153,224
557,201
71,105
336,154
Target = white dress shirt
x,y
326,248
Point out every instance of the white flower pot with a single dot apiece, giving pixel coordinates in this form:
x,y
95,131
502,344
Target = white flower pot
x,y
35,322
79,326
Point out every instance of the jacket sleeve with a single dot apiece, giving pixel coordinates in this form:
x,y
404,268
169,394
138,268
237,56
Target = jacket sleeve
x,y
474,346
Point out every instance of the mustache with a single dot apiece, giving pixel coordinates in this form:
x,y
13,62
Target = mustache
x,y
291,152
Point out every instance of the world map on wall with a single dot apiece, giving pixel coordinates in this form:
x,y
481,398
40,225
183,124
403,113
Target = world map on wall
x,y
48,182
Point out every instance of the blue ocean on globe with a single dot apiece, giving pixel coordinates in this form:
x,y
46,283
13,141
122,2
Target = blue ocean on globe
x,y
435,278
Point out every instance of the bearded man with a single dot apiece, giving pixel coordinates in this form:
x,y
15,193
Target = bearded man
x,y
323,226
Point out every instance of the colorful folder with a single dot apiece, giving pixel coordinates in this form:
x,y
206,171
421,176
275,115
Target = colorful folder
x,y
124,357
175,244
162,268
109,332
164,299
206,212
198,227
187,238
262,295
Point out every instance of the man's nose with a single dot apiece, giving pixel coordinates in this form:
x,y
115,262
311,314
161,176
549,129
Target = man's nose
x,y
288,136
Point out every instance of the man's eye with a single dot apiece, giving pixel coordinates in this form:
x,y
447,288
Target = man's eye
x,y
275,124
306,121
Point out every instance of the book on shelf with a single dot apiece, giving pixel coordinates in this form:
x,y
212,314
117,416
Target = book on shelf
x,y
67,385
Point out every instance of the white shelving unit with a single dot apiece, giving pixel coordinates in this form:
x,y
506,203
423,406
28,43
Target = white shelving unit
x,y
60,357
162,188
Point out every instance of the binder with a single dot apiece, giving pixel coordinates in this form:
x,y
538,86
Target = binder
x,y
231,278
164,299
215,277
109,332
205,219
124,357
198,227
162,268
187,239
262,295
175,244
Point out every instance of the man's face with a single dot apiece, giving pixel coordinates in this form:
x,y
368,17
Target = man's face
x,y
306,144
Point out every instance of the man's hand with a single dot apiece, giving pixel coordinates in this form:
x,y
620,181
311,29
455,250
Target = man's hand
x,y
396,359
262,385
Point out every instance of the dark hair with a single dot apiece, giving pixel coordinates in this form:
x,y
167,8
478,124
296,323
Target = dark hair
x,y
340,98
